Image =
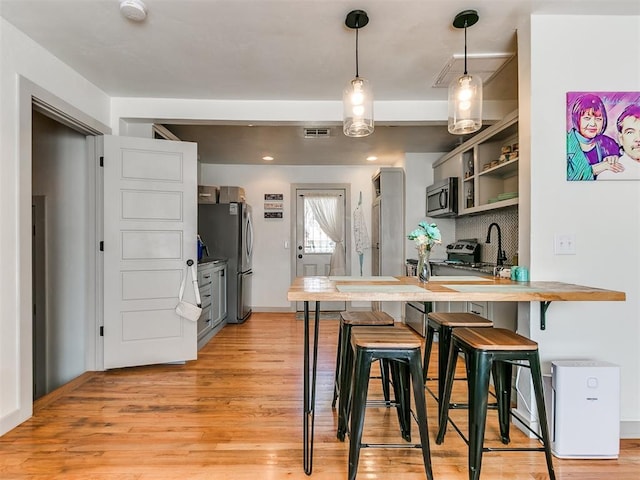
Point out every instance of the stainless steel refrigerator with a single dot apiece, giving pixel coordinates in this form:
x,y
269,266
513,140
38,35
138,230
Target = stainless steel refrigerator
x,y
227,231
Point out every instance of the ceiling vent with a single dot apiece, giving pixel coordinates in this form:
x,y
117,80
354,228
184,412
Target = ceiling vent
x,y
316,132
485,65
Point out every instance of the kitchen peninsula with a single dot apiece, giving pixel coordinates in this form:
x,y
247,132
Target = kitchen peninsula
x,y
403,289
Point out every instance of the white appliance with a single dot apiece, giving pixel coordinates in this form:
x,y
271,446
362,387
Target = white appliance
x,y
584,409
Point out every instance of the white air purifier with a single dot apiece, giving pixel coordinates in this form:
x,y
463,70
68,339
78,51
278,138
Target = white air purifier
x,y
583,408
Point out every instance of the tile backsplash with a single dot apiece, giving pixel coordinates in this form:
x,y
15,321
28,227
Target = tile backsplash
x,y
475,226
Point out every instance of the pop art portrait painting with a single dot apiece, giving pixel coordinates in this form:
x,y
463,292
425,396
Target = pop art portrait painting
x,y
603,136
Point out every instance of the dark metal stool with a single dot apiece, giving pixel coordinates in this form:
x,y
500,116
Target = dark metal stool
x,y
443,323
349,319
402,348
497,350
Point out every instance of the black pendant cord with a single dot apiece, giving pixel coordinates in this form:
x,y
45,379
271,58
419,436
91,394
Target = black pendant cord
x,y
465,47
357,52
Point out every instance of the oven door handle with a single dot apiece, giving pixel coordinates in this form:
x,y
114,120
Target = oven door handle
x,y
415,307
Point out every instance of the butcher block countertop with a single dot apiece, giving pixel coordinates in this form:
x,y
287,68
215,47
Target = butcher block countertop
x,y
455,288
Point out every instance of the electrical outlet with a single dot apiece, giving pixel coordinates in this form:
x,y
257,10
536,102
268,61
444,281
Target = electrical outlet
x,y
564,244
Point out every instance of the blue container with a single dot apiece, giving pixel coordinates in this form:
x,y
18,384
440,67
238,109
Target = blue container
x,y
522,275
200,249
514,273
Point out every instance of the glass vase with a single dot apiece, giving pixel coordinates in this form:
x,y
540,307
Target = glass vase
x,y
424,269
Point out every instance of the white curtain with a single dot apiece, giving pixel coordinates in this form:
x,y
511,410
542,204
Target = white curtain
x,y
329,213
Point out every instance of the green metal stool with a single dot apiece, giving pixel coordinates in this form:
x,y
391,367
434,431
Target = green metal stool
x,y
401,347
443,323
497,350
344,353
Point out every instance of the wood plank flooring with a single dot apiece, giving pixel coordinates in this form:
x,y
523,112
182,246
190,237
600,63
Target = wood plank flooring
x,y
236,413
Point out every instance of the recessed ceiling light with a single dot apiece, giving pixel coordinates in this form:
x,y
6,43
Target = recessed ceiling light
x,y
133,9
372,158
267,158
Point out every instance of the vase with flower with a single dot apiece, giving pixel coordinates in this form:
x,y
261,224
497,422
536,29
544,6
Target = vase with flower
x,y
425,236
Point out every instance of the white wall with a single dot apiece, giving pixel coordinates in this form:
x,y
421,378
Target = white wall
x,y
22,59
271,261
419,175
604,216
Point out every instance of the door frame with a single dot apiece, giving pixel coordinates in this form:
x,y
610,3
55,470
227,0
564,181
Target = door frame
x,y
32,96
294,215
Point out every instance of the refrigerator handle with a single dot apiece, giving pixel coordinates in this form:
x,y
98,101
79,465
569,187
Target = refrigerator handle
x,y
249,237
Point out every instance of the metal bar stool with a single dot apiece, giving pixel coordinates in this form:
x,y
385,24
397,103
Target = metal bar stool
x,y
402,348
443,323
349,319
496,349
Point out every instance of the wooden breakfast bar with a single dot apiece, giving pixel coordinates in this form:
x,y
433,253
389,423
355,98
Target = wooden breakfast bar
x,y
405,289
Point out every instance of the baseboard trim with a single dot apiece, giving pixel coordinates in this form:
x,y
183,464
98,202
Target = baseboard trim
x,y
630,429
273,309
51,397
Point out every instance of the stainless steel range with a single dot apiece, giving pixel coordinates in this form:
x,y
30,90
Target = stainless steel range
x,y
465,252
462,252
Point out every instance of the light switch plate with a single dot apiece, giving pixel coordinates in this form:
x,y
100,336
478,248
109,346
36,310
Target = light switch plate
x,y
564,244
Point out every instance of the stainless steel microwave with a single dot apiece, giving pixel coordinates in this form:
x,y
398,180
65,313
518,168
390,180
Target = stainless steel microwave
x,y
442,198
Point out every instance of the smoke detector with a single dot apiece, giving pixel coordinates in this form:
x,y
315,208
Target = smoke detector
x,y
133,9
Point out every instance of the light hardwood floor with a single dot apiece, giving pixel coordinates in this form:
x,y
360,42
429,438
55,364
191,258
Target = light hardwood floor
x,y
236,413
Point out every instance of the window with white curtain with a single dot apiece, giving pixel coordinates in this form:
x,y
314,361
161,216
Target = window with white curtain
x,y
315,240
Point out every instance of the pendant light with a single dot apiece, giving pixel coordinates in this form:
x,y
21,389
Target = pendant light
x,y
465,92
357,98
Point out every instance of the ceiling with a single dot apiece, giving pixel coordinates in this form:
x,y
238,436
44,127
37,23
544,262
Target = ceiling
x,y
285,50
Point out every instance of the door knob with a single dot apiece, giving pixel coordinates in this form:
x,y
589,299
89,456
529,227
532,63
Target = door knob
x,y
299,247
299,256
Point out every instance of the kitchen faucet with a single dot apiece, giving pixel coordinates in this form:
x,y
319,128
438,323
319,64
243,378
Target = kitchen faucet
x,y
501,255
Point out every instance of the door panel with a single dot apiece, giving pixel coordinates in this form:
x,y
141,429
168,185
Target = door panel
x,y
244,294
150,217
375,245
247,235
312,263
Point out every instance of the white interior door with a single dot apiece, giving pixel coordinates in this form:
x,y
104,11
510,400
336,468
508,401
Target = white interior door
x,y
150,222
313,247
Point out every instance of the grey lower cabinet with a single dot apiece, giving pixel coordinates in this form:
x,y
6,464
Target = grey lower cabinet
x,y
212,282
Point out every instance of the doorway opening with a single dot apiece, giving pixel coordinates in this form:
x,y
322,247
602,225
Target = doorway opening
x,y
61,229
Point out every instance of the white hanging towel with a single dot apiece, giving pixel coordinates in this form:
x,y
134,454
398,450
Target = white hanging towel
x,y
360,234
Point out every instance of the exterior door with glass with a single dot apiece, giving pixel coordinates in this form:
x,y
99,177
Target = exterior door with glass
x,y
313,246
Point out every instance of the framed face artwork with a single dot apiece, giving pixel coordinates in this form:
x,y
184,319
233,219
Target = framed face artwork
x,y
603,136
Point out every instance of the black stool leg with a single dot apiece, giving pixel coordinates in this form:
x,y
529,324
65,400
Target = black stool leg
x,y
362,371
443,413
421,409
401,389
478,370
502,374
536,376
384,374
444,345
428,345
336,376
346,371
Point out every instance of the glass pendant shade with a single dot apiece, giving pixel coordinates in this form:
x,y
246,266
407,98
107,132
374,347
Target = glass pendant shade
x,y
465,105
357,101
